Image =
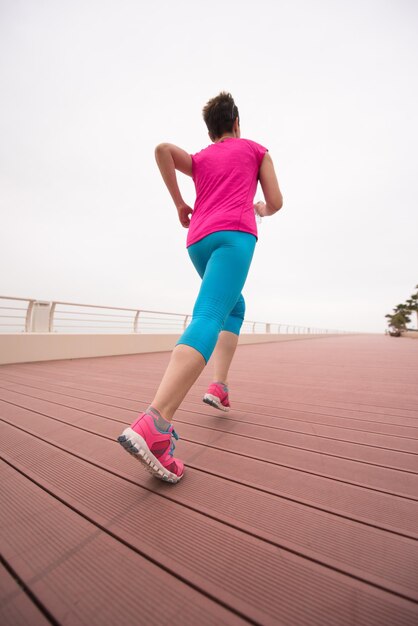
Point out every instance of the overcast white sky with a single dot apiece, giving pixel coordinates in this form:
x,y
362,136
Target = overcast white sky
x,y
88,88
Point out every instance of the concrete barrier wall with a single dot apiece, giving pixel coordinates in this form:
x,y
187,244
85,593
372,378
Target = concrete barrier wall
x,y
30,347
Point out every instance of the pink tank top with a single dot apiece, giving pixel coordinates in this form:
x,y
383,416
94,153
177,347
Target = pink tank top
x,y
225,175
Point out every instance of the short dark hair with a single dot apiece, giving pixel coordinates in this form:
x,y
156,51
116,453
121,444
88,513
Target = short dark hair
x,y
220,114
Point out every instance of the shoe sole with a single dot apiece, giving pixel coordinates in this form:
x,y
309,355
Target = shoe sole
x,y
137,447
214,401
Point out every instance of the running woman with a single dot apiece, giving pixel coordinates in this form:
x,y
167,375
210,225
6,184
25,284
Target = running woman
x,y
222,234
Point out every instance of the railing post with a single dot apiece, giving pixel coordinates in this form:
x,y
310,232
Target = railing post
x,y
268,329
29,316
185,321
51,317
253,330
136,321
40,317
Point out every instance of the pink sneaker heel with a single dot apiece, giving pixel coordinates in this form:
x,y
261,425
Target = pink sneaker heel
x,y
153,448
217,396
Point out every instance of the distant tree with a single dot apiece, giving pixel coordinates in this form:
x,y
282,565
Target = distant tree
x,y
399,318
401,313
412,303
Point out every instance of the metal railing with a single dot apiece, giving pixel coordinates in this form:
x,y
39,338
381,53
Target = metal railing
x,y
27,315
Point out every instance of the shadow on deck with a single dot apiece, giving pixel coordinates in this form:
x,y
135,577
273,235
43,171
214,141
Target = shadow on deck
x,y
299,507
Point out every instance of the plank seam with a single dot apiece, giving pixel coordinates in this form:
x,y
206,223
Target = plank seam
x,y
22,585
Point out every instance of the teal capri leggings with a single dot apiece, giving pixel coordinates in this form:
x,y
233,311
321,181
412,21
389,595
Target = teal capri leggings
x,y
222,260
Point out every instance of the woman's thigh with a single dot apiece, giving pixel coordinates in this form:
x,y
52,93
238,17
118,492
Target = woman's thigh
x,y
222,260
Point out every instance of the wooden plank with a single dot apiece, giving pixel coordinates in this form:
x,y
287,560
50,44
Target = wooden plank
x,y
244,573
309,479
359,430
358,503
84,575
253,425
329,539
384,479
371,452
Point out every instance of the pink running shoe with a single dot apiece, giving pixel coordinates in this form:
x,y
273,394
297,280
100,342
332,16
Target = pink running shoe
x,y
217,396
153,448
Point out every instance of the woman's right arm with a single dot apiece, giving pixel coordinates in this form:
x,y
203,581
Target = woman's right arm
x,y
270,186
169,159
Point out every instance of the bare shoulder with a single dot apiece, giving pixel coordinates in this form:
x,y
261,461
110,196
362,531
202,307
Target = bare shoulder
x,y
267,159
266,165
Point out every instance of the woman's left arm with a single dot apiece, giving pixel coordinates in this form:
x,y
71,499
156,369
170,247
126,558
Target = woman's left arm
x,y
169,159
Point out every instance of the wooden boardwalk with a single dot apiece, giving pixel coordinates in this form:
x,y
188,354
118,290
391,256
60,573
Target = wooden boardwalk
x,y
299,507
